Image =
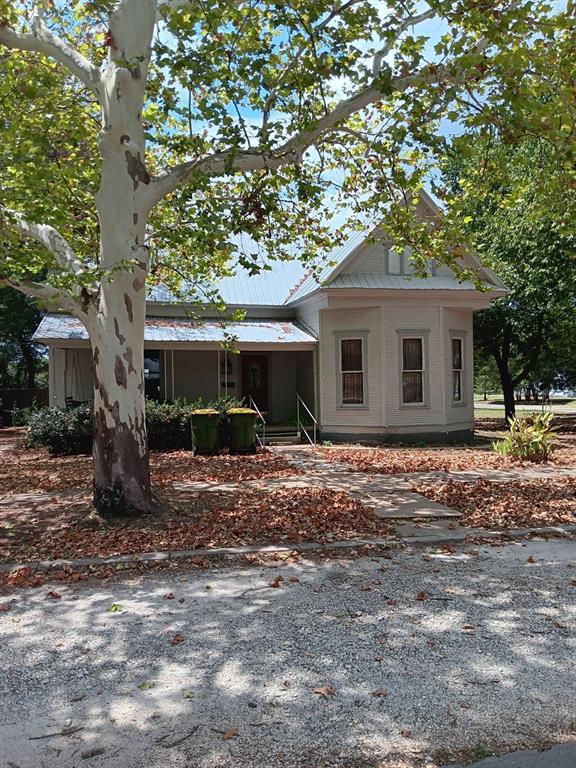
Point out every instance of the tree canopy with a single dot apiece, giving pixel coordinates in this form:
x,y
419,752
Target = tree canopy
x,y
529,332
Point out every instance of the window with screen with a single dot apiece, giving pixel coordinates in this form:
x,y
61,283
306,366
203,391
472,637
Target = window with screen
x,y
352,371
413,370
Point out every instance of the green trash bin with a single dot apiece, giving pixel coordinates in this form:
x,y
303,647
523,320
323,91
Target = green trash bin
x,y
205,430
242,430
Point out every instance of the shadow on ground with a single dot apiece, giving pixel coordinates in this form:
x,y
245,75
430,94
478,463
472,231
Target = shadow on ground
x,y
477,648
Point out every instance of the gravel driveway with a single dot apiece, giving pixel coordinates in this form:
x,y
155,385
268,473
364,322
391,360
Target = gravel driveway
x,y
410,655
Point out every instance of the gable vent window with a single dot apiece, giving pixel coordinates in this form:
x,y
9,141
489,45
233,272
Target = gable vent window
x,y
352,371
398,262
457,369
412,370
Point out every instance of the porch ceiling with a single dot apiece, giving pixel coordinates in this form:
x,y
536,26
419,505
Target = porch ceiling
x,y
65,328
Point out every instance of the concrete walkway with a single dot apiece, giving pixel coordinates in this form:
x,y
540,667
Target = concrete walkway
x,y
561,756
389,495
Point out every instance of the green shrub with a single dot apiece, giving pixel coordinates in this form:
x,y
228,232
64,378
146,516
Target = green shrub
x,y
62,432
168,425
70,432
530,438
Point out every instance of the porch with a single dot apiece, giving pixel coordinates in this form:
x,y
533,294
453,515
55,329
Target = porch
x,y
272,365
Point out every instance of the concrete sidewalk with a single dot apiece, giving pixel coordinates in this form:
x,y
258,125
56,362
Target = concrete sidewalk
x,y
561,756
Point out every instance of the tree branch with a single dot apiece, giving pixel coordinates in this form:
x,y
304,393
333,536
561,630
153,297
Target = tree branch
x,y
43,41
294,60
49,237
43,292
230,161
411,21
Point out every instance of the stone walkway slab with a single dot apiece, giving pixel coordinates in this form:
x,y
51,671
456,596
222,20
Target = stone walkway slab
x,y
493,475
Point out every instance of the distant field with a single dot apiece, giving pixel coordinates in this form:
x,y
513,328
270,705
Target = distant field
x,y
495,407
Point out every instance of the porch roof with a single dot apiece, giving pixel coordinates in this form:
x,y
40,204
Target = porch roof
x,y
65,328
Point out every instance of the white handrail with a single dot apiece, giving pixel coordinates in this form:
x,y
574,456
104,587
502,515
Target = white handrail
x,y
262,419
301,427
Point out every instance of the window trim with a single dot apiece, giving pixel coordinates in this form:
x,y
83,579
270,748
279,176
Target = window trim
x,y
341,336
461,336
417,333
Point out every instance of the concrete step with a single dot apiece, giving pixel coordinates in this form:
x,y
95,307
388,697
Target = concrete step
x,y
279,439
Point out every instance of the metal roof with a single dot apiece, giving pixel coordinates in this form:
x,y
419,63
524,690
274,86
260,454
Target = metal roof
x,y
314,279
67,328
396,282
270,287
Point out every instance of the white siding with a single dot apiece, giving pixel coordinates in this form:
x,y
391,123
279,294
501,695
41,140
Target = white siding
x,y
413,318
308,313
459,323
370,259
333,321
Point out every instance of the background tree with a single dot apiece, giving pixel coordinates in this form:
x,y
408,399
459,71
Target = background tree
x,y
215,121
525,332
19,356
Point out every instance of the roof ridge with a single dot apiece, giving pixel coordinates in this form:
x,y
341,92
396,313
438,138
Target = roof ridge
x,y
297,285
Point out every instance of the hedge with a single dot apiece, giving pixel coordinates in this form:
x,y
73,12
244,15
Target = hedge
x,y
68,432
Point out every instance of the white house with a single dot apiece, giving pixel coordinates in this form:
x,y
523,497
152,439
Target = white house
x,y
374,352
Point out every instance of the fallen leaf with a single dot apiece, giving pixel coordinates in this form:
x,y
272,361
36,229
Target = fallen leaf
x,y
406,732
54,595
276,583
422,596
169,596
467,627
230,734
379,693
88,753
4,607
145,686
561,624
177,639
531,560
325,690
115,608
294,579
188,694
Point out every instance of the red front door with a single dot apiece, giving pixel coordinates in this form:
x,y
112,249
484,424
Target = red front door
x,y
255,379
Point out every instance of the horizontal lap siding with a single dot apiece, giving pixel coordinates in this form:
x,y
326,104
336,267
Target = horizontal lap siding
x,y
371,259
333,321
413,318
456,321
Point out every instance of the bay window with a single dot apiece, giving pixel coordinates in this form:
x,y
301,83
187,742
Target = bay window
x,y
352,371
413,370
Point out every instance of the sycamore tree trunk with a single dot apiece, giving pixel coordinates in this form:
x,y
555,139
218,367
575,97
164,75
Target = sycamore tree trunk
x,y
120,452
115,319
